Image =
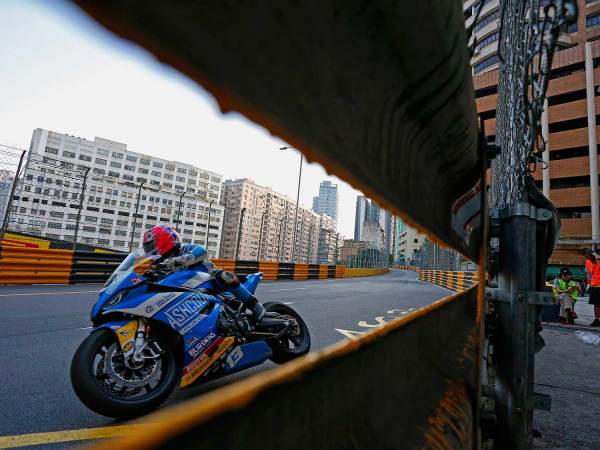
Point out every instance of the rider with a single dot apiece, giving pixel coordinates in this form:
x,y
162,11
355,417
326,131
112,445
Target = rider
x,y
164,241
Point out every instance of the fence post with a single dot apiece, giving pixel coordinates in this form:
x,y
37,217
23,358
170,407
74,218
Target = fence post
x,y
10,199
82,196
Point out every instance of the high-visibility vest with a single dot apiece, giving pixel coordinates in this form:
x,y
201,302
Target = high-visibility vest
x,y
563,285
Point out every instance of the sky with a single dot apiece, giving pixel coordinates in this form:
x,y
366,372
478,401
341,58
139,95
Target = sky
x,y
63,72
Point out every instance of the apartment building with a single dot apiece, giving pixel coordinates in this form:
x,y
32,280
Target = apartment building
x,y
259,225
351,249
329,241
487,30
123,194
408,243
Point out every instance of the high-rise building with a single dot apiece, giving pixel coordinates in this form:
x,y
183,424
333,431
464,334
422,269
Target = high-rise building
x,y
329,241
362,211
119,184
267,225
487,30
409,243
327,200
572,135
351,249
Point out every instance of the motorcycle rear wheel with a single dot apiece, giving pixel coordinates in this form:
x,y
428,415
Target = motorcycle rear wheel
x,y
292,345
106,386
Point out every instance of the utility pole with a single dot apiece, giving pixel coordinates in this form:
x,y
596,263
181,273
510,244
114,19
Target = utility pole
x,y
337,236
262,221
178,221
82,197
279,238
297,204
137,207
237,247
309,243
208,224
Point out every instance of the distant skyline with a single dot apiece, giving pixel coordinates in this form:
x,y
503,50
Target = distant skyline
x,y
67,74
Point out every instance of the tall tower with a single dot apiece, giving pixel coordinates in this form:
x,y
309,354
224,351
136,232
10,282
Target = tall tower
x,y
327,200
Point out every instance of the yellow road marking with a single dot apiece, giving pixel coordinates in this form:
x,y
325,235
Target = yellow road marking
x,y
24,440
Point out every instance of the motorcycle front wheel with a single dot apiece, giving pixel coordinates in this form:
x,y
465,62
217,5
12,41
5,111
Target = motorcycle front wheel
x,y
293,344
107,386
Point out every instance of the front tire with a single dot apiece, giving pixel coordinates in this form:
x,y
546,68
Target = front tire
x,y
105,385
293,344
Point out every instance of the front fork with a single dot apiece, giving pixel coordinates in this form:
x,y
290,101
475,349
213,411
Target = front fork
x,y
133,338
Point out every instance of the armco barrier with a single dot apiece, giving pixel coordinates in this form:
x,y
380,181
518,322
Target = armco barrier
x,y
455,281
358,272
413,268
410,384
20,265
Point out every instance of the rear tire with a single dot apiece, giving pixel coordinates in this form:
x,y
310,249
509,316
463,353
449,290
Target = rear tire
x,y
291,346
96,390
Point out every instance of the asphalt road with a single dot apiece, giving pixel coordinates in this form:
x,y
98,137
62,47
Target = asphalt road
x,y
43,325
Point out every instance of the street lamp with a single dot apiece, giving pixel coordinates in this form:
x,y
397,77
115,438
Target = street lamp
x,y
237,247
279,238
337,236
262,221
137,207
208,224
178,221
309,243
297,202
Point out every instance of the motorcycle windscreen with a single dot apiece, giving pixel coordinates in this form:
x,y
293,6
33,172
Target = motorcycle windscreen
x,y
379,93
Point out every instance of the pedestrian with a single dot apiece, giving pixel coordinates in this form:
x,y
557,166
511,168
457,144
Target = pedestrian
x,y
565,291
592,268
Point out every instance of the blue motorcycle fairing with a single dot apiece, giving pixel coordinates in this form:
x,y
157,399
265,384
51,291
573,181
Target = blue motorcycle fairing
x,y
247,355
252,281
113,325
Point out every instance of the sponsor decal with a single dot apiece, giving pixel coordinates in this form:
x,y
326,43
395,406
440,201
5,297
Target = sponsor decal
x,y
135,280
204,343
124,333
190,341
184,311
127,332
197,367
128,347
234,357
149,309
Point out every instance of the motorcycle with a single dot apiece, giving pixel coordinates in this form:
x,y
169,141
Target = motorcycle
x,y
153,331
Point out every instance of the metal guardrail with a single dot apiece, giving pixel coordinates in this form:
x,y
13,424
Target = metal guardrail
x,y
30,266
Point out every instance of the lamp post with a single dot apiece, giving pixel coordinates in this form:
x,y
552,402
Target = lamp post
x,y
78,218
262,221
297,203
137,207
337,236
309,243
237,247
178,220
208,224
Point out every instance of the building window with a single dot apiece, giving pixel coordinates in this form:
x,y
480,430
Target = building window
x,y
128,177
592,21
168,176
487,41
145,162
142,170
156,174
91,219
68,154
215,179
181,170
54,225
103,242
571,28
51,150
482,22
486,63
115,164
117,155
157,164
85,157
99,171
89,229
119,243
113,174
131,158
101,161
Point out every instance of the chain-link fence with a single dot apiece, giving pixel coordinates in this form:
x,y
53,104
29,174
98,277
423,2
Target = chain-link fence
x,y
528,35
11,165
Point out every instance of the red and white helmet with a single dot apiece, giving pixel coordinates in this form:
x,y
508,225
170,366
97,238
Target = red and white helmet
x,y
161,240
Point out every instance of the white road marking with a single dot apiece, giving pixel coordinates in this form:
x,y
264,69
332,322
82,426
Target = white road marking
x,y
46,293
380,322
288,303
86,328
350,334
287,289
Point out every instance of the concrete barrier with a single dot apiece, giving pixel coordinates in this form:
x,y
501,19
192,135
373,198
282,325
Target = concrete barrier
x,y
352,272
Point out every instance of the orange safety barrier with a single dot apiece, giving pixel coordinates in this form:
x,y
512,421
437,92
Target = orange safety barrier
x,y
21,265
300,271
226,264
323,271
269,269
340,271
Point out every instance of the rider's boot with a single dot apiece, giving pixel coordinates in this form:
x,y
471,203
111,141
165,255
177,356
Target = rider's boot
x,y
257,309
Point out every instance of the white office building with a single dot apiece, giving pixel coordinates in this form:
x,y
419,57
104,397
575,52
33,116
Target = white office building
x,y
50,192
